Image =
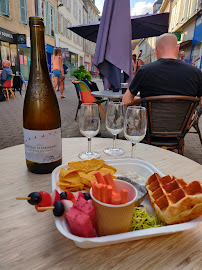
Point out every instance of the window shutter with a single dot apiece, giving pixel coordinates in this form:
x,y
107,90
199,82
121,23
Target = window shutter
x,y
48,27
39,8
70,5
23,11
4,7
56,21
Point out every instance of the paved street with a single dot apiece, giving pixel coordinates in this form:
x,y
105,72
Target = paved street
x,y
11,122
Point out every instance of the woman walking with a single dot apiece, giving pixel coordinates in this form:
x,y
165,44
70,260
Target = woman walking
x,y
58,72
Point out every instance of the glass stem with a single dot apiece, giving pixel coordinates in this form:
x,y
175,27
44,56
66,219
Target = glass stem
x,y
114,141
133,150
89,145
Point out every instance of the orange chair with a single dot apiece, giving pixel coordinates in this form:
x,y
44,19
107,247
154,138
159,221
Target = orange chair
x,y
7,86
86,97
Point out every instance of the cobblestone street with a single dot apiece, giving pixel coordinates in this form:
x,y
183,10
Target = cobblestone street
x,y
11,122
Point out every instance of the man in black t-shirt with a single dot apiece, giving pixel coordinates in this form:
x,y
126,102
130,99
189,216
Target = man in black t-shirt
x,y
166,76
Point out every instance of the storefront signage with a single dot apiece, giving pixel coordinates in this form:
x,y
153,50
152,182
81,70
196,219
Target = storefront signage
x,y
6,35
178,35
20,38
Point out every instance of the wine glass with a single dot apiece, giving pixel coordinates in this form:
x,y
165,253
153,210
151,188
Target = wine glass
x,y
114,124
135,125
89,125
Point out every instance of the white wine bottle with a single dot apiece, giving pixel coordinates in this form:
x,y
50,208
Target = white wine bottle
x,y
41,114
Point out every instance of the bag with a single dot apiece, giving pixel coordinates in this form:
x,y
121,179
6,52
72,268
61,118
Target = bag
x,y
65,68
2,97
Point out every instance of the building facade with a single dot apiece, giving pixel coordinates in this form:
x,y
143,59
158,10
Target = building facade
x,y
186,23
58,15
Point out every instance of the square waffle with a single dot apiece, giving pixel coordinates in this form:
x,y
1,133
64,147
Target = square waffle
x,y
173,200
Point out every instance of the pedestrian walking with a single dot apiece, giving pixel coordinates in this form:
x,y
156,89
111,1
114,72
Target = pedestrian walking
x,y
58,71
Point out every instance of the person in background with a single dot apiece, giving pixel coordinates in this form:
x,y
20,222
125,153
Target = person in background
x,y
58,71
7,71
134,64
166,76
182,57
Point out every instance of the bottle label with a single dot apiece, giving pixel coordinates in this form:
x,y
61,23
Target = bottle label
x,y
43,146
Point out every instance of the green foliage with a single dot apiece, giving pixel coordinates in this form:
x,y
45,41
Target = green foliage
x,y
81,74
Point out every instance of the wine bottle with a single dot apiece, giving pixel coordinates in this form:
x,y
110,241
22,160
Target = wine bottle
x,y
41,114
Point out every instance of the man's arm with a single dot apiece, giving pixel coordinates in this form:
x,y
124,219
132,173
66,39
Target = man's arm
x,y
129,99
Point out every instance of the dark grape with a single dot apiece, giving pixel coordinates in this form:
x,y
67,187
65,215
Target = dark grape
x,y
87,196
59,209
63,195
35,198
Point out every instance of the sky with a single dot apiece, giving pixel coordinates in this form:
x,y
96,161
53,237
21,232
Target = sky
x,y
137,7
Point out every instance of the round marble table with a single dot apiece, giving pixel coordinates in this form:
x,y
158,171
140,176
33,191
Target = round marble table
x,y
30,240
109,94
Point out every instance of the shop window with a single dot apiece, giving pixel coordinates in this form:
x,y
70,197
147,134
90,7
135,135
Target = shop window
x,y
23,11
4,7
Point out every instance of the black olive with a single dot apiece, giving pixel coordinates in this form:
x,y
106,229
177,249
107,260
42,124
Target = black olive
x,y
87,196
35,198
59,209
63,195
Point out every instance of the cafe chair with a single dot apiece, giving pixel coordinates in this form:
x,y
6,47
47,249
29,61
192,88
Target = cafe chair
x,y
168,120
7,87
78,96
84,96
195,123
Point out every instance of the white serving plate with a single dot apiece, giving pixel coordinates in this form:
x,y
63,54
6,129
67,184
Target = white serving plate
x,y
142,168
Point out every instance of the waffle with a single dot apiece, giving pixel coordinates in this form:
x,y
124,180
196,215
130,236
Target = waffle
x,y
173,200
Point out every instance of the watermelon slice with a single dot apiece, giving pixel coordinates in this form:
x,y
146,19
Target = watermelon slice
x,y
80,224
86,207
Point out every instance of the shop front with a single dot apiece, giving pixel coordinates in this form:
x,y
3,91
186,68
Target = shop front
x,y
70,59
9,48
196,47
94,70
87,62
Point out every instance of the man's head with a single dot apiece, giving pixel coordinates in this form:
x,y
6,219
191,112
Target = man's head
x,y
166,46
182,55
6,63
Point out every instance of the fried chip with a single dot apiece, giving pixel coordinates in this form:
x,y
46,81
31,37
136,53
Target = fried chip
x,y
87,165
80,174
109,167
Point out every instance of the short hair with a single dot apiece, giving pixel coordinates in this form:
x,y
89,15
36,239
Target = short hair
x,y
134,55
6,63
56,51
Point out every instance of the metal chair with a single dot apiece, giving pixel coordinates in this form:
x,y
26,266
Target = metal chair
x,y
169,119
84,96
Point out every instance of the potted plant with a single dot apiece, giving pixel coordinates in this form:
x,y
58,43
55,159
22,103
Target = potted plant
x,y
81,74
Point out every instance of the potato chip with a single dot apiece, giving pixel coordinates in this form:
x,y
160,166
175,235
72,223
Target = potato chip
x,y
80,174
109,167
87,165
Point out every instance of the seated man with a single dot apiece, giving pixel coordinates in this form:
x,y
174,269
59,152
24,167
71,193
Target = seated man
x,y
7,71
166,76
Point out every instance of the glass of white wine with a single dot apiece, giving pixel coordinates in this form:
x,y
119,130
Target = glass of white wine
x,y
89,125
114,124
135,125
